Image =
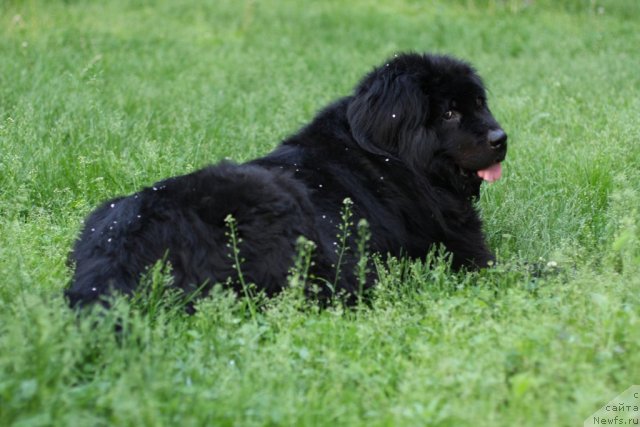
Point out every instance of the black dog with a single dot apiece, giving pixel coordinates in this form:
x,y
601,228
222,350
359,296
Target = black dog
x,y
410,148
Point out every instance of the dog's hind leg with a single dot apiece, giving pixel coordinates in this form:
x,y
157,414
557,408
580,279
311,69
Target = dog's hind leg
x,y
182,220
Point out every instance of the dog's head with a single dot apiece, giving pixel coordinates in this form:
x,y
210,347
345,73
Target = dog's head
x,y
431,113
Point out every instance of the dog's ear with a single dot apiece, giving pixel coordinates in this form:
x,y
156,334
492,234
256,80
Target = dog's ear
x,y
387,114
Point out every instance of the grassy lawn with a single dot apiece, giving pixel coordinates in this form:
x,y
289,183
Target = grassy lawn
x,y
101,98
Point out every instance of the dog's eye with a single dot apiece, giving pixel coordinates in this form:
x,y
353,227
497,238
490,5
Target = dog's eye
x,y
448,115
480,101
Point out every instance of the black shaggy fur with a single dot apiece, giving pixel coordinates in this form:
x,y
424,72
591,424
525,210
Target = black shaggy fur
x,y
405,148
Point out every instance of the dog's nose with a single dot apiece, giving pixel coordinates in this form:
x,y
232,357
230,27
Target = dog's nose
x,y
497,138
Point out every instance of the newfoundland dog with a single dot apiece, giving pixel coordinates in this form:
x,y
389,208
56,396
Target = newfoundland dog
x,y
410,148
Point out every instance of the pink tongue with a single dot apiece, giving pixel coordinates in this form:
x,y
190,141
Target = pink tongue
x,y
492,173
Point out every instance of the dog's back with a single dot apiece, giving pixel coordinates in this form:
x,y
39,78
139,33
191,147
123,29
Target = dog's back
x,y
183,219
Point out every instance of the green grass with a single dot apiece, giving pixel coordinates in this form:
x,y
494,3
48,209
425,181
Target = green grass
x,y
100,98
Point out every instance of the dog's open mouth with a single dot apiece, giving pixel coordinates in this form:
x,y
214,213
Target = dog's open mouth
x,y
490,174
